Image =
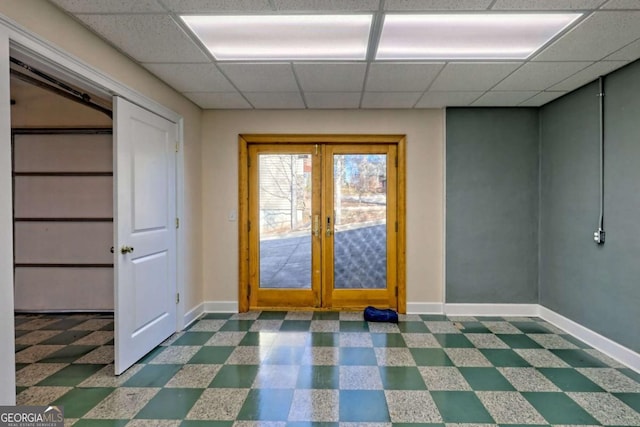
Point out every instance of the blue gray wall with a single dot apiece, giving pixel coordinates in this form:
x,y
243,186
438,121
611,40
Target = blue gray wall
x,y
596,286
492,205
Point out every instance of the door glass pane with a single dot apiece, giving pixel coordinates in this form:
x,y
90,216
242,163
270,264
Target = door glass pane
x,y
285,220
360,215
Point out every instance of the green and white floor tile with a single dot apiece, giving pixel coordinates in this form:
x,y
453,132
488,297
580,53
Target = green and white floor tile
x,y
295,369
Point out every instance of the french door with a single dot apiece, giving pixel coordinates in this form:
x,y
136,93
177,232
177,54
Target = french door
x,y
322,224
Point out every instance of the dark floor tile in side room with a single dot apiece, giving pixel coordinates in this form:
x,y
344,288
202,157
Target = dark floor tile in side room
x,y
311,424
413,327
283,355
65,338
71,375
353,326
235,376
266,405
318,377
206,423
453,341
433,317
570,380
326,315
20,333
324,339
68,354
21,365
215,355
631,399
430,357
193,338
461,407
486,379
272,315
575,341
416,425
78,401
236,325
20,347
504,358
295,325
388,340
217,316
490,318
363,406
20,389
108,327
64,324
170,403
579,359
518,341
558,408
401,378
153,376
474,328
357,356
532,327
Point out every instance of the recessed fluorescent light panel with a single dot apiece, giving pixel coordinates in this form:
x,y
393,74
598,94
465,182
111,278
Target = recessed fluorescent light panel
x,y
283,37
469,36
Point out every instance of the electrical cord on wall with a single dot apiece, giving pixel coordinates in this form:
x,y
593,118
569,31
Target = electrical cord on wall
x,y
598,235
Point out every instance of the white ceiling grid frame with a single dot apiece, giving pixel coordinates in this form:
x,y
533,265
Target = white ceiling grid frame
x,y
327,5
260,77
390,99
219,100
628,53
333,100
501,99
206,6
189,77
431,5
276,100
330,77
622,4
541,98
587,75
436,99
547,4
110,6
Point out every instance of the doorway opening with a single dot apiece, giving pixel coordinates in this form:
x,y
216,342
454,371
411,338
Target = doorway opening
x,y
322,222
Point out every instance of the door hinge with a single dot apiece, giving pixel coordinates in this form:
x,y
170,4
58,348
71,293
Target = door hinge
x,y
177,222
177,298
177,147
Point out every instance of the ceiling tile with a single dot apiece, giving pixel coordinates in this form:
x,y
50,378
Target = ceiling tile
x,y
503,99
630,52
472,76
417,5
587,75
547,4
332,99
261,77
218,100
540,75
447,99
192,77
541,99
146,38
594,38
109,6
275,100
327,5
323,77
622,4
215,6
401,77
390,99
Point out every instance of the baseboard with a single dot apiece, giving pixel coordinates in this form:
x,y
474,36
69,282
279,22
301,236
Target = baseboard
x,y
611,348
193,314
424,308
528,310
220,306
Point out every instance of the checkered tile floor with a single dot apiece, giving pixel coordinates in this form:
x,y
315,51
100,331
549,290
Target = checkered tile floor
x,y
326,369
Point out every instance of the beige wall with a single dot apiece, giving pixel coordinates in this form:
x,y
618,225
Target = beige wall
x,y
425,186
47,21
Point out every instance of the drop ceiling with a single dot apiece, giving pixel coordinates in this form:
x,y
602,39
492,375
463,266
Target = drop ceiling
x,y
605,38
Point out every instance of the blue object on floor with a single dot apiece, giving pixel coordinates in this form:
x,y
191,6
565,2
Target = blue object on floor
x,y
372,314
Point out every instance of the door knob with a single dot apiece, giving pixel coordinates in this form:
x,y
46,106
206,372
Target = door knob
x,y
126,250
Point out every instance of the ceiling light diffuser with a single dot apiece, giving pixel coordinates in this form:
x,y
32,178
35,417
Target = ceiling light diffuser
x,y
469,36
283,37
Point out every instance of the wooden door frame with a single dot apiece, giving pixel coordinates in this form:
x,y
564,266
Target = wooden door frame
x,y
243,199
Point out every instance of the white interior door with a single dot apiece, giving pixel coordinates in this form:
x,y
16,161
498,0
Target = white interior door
x,y
145,229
